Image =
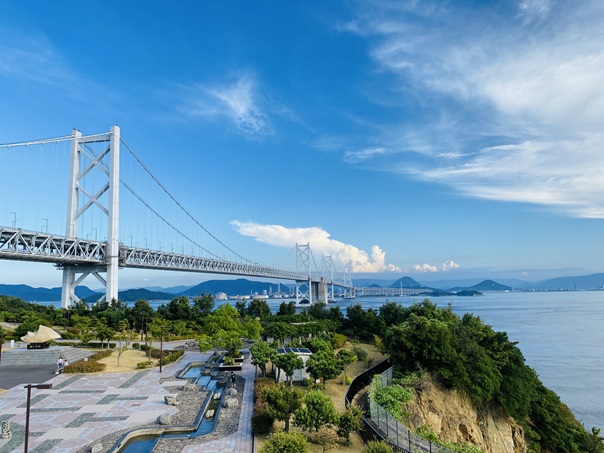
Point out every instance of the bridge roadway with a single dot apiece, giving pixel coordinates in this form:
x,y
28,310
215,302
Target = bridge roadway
x,y
18,244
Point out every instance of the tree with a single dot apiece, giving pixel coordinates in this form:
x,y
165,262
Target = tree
x,y
323,365
288,362
103,332
282,442
318,310
258,308
141,315
345,358
205,343
262,353
318,411
594,442
377,447
124,336
203,305
179,308
278,330
350,421
287,309
231,342
282,401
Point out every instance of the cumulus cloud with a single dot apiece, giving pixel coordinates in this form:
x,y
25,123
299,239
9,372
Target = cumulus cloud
x,y
450,265
511,101
343,255
239,102
425,268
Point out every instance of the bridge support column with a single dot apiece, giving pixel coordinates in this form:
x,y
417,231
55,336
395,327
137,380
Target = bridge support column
x,y
82,161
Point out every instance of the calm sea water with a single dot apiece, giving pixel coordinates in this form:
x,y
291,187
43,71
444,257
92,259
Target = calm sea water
x,y
561,335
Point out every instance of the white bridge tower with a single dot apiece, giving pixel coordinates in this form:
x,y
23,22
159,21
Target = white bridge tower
x,y
82,161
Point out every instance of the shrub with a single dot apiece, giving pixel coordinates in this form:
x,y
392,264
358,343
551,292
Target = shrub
x,y
100,355
259,384
143,365
282,442
136,346
377,447
262,423
360,353
85,367
338,340
173,356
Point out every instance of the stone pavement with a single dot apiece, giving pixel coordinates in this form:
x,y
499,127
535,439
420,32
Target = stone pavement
x,y
82,408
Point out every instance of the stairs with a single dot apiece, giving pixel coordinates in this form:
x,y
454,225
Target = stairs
x,y
42,357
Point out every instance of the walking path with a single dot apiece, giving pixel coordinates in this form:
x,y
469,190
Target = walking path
x,y
80,409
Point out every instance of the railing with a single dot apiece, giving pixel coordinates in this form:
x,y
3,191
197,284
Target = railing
x,y
397,433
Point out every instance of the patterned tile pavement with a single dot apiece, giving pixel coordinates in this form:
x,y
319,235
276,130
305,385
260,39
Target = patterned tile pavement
x,y
83,408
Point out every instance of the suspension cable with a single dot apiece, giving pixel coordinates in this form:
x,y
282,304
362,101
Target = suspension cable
x,y
133,192
180,205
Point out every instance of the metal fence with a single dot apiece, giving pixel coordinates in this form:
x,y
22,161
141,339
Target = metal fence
x,y
396,433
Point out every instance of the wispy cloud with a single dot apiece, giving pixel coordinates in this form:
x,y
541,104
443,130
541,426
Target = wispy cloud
x,y
343,255
511,98
239,102
34,58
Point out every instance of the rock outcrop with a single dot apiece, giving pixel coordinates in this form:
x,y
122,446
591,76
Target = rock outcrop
x,y
453,416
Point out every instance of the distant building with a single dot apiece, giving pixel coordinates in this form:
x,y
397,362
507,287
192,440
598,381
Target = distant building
x,y
299,374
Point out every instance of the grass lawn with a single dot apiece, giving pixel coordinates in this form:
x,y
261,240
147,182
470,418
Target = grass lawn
x,y
337,391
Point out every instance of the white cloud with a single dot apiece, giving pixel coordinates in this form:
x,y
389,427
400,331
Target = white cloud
x,y
511,101
425,268
450,265
239,102
343,255
353,157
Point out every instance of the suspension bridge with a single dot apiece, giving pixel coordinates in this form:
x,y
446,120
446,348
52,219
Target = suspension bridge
x,y
94,183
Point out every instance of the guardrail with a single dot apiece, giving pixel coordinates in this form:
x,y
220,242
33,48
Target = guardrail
x,y
378,424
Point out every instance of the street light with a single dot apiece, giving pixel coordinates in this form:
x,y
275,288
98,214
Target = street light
x,y
14,219
161,346
45,226
29,387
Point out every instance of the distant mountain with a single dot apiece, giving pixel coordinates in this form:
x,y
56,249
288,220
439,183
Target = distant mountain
x,y
239,287
486,285
31,294
368,282
406,282
592,281
132,295
170,290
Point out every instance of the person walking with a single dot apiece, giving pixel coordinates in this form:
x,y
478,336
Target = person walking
x,y
60,364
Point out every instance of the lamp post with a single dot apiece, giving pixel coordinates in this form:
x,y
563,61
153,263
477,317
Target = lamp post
x,y
161,346
29,387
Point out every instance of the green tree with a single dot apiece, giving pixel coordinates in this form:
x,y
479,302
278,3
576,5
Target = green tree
x,y
206,343
318,310
258,308
141,315
279,331
282,401
594,442
323,365
179,308
350,420
262,353
203,305
124,336
287,363
318,411
102,331
282,442
287,309
345,358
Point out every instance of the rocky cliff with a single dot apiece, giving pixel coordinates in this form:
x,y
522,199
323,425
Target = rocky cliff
x,y
454,418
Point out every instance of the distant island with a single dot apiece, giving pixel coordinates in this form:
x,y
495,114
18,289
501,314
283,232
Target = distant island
x,y
248,288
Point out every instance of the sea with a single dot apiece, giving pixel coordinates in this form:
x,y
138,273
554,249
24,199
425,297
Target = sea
x,y
561,335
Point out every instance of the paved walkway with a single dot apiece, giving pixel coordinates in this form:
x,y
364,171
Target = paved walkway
x,y
81,408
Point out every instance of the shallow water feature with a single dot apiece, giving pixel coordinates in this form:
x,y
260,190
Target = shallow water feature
x,y
146,443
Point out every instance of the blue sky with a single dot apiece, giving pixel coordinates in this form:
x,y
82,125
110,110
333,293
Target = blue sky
x,y
439,140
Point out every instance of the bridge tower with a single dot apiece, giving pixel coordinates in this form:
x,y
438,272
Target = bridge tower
x,y
82,161
303,288
328,267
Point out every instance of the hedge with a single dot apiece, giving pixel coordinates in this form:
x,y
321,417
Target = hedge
x,y
85,367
